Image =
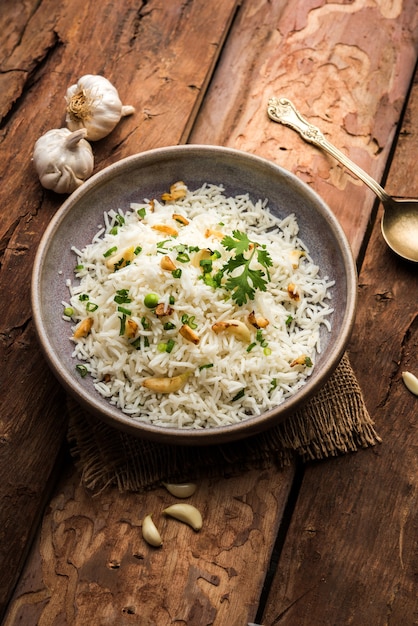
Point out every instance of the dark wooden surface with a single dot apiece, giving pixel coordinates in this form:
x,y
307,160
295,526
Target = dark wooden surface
x,y
341,535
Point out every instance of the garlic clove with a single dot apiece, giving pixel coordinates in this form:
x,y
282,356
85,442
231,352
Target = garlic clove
x,y
83,328
166,384
121,259
189,334
258,321
93,103
295,256
411,382
186,513
150,532
181,490
235,327
167,264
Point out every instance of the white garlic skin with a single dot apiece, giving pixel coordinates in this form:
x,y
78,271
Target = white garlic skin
x,y
63,159
93,103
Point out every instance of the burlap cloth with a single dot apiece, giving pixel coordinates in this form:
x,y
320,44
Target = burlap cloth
x,y
333,422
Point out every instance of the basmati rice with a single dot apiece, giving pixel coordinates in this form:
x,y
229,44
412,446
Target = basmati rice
x,y
229,379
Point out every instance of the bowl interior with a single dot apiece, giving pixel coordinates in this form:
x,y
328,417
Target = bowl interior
x,y
148,175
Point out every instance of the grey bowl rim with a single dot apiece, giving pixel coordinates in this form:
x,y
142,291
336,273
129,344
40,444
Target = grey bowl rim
x,y
176,436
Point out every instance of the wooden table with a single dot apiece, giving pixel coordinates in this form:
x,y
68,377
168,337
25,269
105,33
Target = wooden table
x,y
331,543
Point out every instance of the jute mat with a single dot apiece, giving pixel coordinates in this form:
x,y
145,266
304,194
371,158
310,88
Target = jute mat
x,y
333,422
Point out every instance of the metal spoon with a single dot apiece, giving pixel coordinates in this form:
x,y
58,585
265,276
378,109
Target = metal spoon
x,y
400,218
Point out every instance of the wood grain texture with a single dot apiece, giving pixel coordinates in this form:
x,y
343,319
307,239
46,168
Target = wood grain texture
x,y
345,65
47,47
352,546
91,565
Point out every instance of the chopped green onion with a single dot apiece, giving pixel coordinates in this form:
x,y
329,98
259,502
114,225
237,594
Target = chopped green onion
x,y
142,213
119,219
136,343
267,351
273,384
151,300
83,297
78,268
137,250
289,320
110,251
113,231
251,346
205,366
308,361
216,255
145,323
81,369
170,345
68,311
166,347
122,309
146,342
171,300
169,326
239,395
120,263
122,296
91,306
191,322
176,273
183,257
122,325
206,264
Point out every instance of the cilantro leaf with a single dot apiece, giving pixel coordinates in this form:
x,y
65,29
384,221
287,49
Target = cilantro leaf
x,y
235,262
239,242
244,283
264,258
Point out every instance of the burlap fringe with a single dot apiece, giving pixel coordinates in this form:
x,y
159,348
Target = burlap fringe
x,y
333,422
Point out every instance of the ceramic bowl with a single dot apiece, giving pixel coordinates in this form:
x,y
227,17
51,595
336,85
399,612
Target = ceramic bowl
x,y
147,175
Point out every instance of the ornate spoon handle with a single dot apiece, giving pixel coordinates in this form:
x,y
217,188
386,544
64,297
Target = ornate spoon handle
x,y
283,111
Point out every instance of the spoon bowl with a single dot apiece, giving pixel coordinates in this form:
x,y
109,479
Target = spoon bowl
x,y
400,218
400,227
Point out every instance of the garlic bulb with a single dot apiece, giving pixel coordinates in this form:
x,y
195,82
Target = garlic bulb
x,y
63,159
93,103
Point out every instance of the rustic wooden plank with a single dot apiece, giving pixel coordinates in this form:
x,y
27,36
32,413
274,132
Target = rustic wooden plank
x,y
84,518
90,564
346,66
49,46
350,556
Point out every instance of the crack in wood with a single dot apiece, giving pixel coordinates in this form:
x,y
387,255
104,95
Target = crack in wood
x,y
31,73
278,617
